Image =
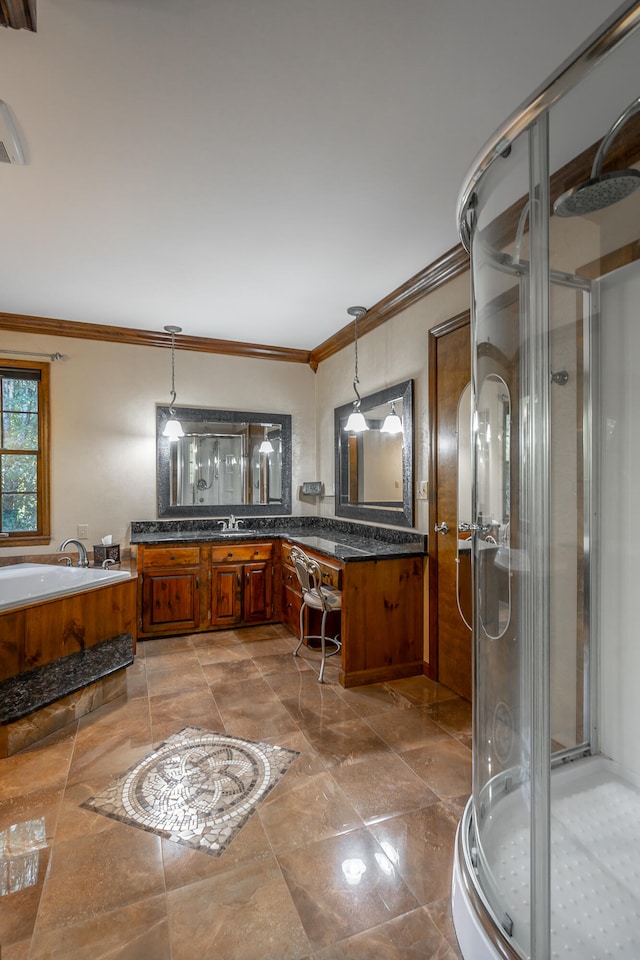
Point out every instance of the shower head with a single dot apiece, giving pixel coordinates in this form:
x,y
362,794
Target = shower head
x,y
601,189
596,193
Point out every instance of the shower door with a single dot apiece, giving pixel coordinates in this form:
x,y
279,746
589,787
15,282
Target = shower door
x,y
548,846
531,518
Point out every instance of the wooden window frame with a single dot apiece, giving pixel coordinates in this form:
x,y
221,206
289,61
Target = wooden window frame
x,y
43,534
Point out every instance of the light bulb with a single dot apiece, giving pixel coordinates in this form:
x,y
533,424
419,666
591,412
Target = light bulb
x,y
356,422
173,430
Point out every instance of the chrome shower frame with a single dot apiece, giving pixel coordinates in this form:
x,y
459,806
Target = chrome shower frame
x,y
532,117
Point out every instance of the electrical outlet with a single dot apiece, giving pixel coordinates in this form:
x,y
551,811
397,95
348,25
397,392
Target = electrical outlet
x,y
83,531
423,490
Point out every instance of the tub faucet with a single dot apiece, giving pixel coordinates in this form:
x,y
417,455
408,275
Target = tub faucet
x,y
83,559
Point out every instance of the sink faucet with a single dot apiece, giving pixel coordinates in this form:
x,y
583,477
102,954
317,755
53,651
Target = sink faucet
x,y
230,524
83,559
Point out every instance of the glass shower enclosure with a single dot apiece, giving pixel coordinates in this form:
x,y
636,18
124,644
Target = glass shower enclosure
x,y
547,860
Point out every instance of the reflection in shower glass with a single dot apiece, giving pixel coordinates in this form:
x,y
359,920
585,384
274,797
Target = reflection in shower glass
x,y
464,509
493,504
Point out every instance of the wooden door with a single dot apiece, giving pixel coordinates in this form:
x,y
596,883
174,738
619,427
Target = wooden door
x,y
449,567
226,594
257,591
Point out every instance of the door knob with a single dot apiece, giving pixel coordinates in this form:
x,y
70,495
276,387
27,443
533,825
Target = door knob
x,y
441,528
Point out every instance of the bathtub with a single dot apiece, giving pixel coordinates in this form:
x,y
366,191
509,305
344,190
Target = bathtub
x,y
26,583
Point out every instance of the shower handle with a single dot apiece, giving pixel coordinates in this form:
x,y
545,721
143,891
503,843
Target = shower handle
x,y
441,528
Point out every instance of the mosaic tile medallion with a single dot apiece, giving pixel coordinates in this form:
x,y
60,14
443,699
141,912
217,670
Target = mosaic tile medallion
x,y
198,788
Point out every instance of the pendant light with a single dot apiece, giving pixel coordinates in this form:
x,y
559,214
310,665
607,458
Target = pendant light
x,y
266,446
356,422
392,423
173,429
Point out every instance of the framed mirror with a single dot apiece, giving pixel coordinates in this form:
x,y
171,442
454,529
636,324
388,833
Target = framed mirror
x,y
374,469
223,463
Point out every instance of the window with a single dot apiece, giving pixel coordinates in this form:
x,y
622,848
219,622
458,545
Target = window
x,y
24,452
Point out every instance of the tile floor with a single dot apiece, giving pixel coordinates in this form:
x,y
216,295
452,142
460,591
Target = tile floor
x,y
348,858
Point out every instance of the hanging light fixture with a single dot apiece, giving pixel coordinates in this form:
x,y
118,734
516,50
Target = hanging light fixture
x,y
173,429
356,422
392,422
266,446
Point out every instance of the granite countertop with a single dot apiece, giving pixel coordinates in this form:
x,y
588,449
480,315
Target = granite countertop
x,y
344,545
348,548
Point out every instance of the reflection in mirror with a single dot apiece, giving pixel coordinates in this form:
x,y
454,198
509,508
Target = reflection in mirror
x,y
218,466
493,504
464,591
374,469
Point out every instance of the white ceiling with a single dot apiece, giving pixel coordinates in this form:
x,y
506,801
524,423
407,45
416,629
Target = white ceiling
x,y
248,169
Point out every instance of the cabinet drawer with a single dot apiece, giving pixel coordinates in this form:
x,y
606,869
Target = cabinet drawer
x,y
289,578
331,573
241,553
331,576
171,557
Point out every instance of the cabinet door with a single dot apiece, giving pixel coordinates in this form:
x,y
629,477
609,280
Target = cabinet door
x,y
292,601
170,599
226,594
257,591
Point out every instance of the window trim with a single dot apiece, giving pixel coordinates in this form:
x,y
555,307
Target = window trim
x,y
43,534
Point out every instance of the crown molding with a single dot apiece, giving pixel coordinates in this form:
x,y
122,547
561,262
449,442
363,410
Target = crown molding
x,y
451,264
148,338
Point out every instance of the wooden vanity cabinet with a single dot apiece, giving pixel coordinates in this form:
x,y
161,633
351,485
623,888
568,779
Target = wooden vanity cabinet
x,y
186,589
381,625
170,589
241,584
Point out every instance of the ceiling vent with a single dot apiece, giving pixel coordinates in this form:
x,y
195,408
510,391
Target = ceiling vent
x,y
10,149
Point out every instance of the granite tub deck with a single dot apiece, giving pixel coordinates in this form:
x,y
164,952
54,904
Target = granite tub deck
x,y
37,702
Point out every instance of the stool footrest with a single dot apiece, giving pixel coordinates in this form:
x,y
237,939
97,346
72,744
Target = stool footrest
x,y
328,641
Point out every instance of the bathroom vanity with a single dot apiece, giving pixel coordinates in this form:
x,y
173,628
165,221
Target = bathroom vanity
x,y
192,578
185,588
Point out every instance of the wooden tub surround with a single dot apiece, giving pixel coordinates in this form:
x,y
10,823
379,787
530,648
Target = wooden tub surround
x,y
62,658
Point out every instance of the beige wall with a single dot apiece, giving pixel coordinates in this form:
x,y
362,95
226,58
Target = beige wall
x,y
103,400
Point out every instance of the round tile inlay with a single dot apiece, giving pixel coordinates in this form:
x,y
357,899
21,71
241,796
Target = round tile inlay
x,y
197,788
